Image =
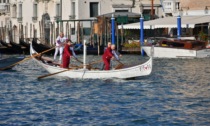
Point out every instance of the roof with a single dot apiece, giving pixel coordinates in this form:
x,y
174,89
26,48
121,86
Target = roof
x,y
116,14
169,22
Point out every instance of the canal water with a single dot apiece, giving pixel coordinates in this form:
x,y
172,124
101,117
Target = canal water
x,y
176,93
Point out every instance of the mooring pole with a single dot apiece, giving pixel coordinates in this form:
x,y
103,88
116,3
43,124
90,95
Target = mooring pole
x,y
113,29
142,34
179,28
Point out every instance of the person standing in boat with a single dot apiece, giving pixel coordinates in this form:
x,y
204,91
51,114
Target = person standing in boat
x,y
60,42
107,56
67,54
115,53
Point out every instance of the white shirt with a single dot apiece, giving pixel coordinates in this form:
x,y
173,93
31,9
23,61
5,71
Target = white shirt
x,y
60,41
116,54
72,50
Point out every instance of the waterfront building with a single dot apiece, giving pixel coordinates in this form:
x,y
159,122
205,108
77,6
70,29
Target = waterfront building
x,y
44,19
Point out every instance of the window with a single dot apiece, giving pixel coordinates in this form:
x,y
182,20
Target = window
x,y
73,31
73,8
35,10
86,31
121,10
57,9
93,9
73,11
20,11
14,11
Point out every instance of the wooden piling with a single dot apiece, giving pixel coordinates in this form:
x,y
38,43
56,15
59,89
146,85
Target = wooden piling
x,y
70,31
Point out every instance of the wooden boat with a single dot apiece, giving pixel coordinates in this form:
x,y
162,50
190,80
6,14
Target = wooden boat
x,y
26,46
13,48
179,49
131,72
5,62
41,47
19,48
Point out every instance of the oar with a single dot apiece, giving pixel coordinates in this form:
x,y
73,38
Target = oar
x,y
47,75
78,60
120,65
27,58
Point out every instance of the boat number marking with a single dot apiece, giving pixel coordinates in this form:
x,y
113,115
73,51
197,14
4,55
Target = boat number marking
x,y
145,67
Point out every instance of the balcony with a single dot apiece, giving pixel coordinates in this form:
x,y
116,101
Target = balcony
x,y
56,18
34,19
20,19
4,8
72,17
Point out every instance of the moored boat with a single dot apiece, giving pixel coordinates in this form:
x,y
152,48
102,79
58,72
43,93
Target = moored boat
x,y
130,72
7,62
179,49
41,47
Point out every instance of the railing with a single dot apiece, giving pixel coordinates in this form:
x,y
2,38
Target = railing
x,y
57,18
34,19
72,16
20,19
4,8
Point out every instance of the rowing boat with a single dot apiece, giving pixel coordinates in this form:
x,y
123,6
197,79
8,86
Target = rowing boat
x,y
124,73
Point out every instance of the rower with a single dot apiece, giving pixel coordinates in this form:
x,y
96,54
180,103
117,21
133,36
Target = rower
x,y
107,56
67,54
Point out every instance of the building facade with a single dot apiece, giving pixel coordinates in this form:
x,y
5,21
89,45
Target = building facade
x,y
44,19
195,7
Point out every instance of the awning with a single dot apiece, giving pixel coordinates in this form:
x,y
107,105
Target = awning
x,y
169,22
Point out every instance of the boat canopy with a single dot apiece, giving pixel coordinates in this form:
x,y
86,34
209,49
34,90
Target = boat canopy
x,y
169,22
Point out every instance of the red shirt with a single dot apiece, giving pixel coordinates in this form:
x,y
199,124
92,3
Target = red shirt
x,y
66,51
107,53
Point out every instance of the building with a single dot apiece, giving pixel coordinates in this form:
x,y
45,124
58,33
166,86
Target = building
x,y
44,19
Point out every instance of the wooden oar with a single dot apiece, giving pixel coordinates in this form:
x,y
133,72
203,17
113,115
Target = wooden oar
x,y
27,58
47,75
78,60
120,65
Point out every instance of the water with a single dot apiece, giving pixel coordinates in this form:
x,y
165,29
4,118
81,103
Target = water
x,y
176,93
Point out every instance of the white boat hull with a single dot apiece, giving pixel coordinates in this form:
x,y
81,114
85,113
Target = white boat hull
x,y
167,52
135,71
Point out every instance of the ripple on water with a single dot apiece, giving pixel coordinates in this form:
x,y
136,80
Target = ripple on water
x,y
176,93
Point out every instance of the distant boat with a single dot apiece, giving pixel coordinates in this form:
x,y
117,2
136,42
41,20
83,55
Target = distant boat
x,y
5,62
179,49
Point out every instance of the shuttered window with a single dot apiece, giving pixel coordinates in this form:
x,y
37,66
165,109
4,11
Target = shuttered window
x,y
20,10
35,10
14,11
93,9
57,9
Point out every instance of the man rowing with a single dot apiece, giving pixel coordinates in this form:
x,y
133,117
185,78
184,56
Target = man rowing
x,y
107,56
67,54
